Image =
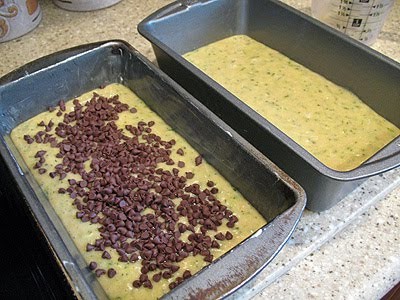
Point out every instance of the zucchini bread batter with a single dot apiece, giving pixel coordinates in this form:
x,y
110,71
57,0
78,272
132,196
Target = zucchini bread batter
x,y
330,122
142,206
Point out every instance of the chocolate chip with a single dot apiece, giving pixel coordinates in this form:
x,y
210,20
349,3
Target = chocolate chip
x,y
220,236
111,273
187,274
172,285
167,274
106,255
148,284
143,278
61,104
40,153
100,272
214,190
92,265
157,277
174,268
215,244
182,227
179,280
198,160
144,270
137,284
28,139
210,183
189,175
133,110
228,235
209,258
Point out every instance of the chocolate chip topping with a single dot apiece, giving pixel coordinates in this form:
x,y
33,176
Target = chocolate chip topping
x,y
198,160
100,272
111,273
93,265
121,176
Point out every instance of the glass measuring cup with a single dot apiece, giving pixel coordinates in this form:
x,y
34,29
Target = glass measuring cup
x,y
360,19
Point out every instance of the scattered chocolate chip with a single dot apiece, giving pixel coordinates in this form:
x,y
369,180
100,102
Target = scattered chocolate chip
x,y
106,255
61,104
187,274
189,175
210,183
100,272
148,284
111,273
92,265
133,110
172,285
215,244
220,236
40,154
167,274
198,160
157,277
143,277
228,235
137,284
209,258
28,139
214,191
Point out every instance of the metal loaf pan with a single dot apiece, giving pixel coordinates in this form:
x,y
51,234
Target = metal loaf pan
x,y
187,25
67,74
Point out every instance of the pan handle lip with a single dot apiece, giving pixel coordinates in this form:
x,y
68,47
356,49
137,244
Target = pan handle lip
x,y
172,8
244,262
51,60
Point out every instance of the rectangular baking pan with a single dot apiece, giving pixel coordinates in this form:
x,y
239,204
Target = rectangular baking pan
x,y
64,75
187,25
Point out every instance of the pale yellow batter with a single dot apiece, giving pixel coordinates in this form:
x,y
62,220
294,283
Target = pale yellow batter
x,y
120,287
330,122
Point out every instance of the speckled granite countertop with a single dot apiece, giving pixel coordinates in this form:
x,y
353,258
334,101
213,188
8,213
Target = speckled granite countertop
x,y
348,252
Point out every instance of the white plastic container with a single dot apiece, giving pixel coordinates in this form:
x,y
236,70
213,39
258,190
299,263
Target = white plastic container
x,y
84,5
360,19
18,17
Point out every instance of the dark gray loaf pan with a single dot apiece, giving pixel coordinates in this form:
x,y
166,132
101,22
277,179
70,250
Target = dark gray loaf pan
x,y
187,25
67,74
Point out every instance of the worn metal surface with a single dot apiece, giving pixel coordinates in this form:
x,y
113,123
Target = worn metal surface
x,y
42,83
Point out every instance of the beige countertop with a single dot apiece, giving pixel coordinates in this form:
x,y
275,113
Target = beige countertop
x,y
348,252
